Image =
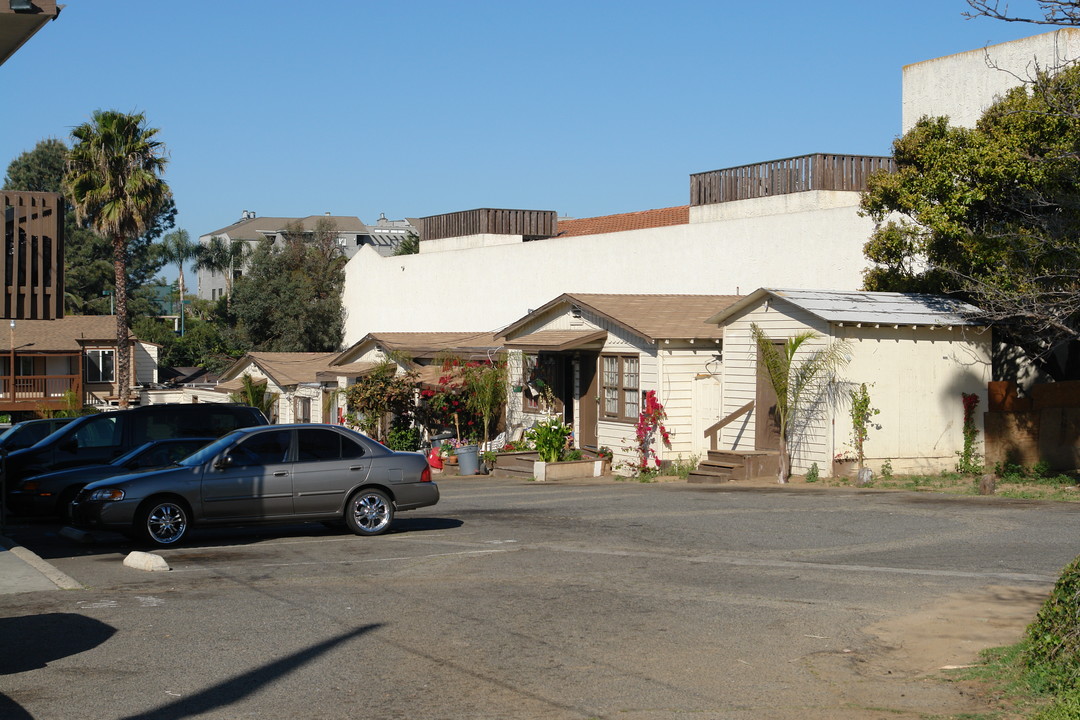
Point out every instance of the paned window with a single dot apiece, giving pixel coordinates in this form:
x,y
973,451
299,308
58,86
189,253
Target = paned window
x,y
620,387
100,365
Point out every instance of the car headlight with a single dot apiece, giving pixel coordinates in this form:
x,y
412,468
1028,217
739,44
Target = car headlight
x,y
106,495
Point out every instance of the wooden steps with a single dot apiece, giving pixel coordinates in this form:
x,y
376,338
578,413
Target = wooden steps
x,y
727,465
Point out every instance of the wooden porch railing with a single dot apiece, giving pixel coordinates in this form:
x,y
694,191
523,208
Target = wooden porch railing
x,y
713,430
33,390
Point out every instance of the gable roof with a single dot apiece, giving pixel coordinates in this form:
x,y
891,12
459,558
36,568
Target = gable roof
x,y
856,306
284,368
428,344
639,220
69,333
653,317
257,227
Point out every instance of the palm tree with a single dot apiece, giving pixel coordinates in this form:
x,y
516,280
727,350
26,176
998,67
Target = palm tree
x,y
176,247
224,257
254,394
113,179
800,385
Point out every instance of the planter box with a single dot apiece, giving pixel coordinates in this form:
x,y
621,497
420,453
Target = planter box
x,y
567,470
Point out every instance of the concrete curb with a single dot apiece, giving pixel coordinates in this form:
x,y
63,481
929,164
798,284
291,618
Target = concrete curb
x,y
59,579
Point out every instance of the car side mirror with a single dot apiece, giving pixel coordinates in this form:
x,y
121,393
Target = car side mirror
x,y
223,462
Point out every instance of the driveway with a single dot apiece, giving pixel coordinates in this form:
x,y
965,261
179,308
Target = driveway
x,y
513,599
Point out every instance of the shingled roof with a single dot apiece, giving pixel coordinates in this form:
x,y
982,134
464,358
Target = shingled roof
x,y
653,317
640,220
69,333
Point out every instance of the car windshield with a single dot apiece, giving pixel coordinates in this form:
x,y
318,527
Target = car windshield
x,y
205,454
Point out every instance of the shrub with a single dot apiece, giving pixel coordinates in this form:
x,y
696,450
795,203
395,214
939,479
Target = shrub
x,y
813,474
403,438
1053,639
549,438
886,469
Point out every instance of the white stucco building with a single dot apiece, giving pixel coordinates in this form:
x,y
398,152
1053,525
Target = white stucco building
x,y
792,221
964,85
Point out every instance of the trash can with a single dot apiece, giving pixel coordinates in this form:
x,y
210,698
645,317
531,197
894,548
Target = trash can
x,y
468,460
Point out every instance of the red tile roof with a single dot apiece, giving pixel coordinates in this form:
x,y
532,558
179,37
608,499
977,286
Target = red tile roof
x,y
625,221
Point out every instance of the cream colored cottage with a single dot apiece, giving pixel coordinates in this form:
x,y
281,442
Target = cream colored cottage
x,y
306,384
590,358
917,354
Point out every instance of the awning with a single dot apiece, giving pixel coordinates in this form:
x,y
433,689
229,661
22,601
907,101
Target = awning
x,y
557,340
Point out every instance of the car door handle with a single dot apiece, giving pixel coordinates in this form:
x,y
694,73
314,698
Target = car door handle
x,y
356,467
280,473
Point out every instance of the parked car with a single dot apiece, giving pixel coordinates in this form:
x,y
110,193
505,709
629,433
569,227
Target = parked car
x,y
281,473
50,494
103,437
30,432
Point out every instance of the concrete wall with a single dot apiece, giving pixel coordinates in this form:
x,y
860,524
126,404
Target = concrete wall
x,y
490,287
962,86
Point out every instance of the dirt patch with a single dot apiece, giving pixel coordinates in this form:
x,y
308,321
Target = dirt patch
x,y
904,665
954,630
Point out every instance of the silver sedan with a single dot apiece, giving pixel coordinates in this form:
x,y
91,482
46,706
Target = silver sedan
x,y
276,473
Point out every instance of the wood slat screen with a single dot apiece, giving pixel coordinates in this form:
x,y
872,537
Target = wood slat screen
x,y
33,268
531,224
790,175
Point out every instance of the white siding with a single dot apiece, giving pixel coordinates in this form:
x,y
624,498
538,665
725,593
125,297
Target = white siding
x,y
779,320
915,377
681,365
146,363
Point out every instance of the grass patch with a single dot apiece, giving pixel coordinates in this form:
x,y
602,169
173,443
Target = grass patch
x,y
1061,488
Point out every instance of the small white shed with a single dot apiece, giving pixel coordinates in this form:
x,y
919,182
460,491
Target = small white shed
x,y
916,353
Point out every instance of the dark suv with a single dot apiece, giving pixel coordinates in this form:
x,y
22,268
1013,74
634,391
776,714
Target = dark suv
x,y
98,439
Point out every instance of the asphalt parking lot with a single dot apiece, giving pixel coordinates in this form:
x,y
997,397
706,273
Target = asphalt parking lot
x,y
522,600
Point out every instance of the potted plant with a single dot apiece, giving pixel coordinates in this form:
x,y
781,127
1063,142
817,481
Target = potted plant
x,y
605,453
489,458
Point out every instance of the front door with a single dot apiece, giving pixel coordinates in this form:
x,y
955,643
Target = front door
x,y
766,423
588,400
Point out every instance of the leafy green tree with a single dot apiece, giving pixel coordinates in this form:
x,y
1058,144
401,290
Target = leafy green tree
x,y
40,169
801,378
409,246
114,181
380,393
290,298
991,213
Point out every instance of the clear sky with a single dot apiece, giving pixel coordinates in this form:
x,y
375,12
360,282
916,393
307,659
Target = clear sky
x,y
586,107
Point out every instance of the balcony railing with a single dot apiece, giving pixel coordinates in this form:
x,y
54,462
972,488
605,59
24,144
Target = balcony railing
x,y
790,175
530,224
32,391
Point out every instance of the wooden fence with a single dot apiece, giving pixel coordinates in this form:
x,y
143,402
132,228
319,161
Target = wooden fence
x,y
532,224
790,175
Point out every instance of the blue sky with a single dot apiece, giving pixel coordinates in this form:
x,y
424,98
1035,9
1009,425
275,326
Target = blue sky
x,y
587,107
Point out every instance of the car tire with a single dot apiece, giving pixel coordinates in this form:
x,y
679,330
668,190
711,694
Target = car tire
x,y
369,512
162,522
63,505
